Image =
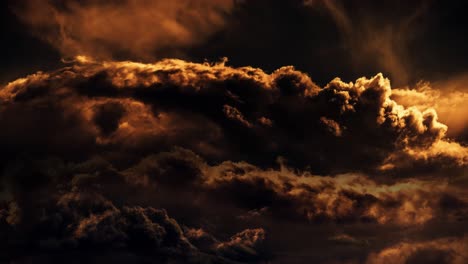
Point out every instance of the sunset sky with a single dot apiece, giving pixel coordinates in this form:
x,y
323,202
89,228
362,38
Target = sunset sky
x,y
234,131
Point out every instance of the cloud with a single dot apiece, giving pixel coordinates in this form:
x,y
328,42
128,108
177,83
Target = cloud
x,y
234,114
344,198
348,240
90,223
447,97
182,162
181,178
245,111
109,29
101,204
241,246
199,162
444,250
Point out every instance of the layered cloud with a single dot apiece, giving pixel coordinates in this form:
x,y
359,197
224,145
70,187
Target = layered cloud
x,y
102,204
288,194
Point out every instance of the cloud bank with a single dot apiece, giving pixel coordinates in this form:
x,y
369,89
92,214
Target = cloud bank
x,y
182,162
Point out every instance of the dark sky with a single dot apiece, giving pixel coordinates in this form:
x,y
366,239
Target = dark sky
x,y
270,34
127,137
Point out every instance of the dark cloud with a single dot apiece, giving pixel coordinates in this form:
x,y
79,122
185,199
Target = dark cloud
x,y
97,208
107,117
247,115
87,222
248,166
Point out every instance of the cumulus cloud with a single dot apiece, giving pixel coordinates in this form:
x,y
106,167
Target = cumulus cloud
x,y
139,29
447,97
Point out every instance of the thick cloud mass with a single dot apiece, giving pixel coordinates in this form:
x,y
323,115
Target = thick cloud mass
x,y
248,166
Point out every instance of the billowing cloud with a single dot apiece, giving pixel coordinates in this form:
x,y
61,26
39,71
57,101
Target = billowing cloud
x,y
447,97
139,29
244,110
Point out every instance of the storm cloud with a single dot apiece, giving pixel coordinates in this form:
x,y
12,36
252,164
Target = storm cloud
x,y
247,115
202,162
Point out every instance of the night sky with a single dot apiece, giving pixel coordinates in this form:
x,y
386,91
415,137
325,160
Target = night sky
x,y
234,131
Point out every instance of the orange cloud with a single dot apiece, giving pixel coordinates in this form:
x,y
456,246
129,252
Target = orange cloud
x,y
449,98
141,29
443,250
340,198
